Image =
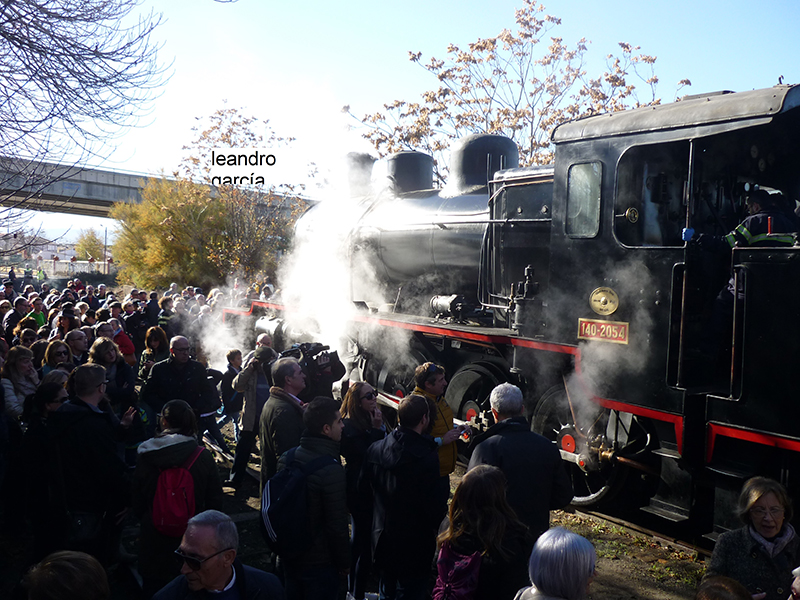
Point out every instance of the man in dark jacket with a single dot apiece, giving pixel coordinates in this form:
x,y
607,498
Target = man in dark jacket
x,y
208,550
281,422
13,317
253,384
180,378
537,477
319,571
403,471
232,401
87,469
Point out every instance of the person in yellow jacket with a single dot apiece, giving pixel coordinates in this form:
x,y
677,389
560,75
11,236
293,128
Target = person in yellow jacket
x,y
431,383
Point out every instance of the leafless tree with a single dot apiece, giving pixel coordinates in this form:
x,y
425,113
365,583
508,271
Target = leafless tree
x,y
73,75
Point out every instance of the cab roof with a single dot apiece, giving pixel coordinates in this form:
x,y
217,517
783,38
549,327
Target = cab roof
x,y
725,110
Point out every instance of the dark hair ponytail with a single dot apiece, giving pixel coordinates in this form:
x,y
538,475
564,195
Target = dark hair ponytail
x,y
180,417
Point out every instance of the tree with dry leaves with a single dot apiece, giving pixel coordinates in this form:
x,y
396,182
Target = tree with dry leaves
x,y
189,231
520,85
89,245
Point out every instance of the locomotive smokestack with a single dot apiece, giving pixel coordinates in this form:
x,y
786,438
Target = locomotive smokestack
x,y
359,172
475,158
410,171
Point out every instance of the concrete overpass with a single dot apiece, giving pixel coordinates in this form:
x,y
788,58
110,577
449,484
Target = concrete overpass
x,y
53,187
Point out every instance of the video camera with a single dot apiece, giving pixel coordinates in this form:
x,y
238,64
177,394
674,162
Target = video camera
x,y
320,366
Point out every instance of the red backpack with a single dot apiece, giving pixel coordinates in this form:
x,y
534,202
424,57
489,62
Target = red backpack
x,y
173,504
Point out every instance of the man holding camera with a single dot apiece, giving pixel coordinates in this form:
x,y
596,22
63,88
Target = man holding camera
x,y
254,382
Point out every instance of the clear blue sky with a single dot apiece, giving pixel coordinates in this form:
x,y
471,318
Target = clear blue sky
x,y
297,64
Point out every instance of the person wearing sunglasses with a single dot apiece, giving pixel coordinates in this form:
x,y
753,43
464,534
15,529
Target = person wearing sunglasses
x,y
208,562
363,425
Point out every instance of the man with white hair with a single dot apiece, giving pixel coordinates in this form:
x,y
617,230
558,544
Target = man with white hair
x,y
537,477
209,565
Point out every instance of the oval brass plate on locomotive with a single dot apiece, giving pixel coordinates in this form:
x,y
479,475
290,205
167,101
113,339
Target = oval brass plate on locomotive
x,y
604,301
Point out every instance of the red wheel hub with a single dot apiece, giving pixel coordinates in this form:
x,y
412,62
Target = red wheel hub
x,y
568,443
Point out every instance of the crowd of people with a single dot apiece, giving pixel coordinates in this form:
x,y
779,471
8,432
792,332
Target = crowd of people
x,y
105,407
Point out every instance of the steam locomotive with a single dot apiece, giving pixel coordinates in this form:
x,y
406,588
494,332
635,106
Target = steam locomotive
x,y
573,282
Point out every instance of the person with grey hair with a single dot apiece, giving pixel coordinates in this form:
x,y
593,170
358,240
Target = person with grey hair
x,y
537,477
281,420
561,567
207,555
761,554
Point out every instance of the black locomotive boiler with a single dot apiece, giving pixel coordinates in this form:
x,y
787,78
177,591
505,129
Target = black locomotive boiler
x,y
573,282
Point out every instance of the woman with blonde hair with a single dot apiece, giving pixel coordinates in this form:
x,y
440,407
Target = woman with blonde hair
x,y
19,379
762,554
120,378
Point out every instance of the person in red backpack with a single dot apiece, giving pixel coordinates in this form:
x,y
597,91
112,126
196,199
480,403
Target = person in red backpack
x,y
158,459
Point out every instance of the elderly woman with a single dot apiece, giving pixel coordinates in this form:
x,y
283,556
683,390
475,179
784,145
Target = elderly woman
x,y
762,554
561,567
19,379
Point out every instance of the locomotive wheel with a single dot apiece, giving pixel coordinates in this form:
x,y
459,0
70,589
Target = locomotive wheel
x,y
469,389
594,480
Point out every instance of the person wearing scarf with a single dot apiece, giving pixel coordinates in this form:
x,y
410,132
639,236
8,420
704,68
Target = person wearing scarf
x,y
762,554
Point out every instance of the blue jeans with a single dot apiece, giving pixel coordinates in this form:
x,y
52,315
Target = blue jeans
x,y
311,583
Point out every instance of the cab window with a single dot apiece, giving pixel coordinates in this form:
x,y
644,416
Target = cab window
x,y
583,200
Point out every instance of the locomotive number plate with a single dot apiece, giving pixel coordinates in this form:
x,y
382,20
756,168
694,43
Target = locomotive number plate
x,y
603,331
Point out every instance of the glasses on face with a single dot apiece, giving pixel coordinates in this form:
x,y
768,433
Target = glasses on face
x,y
370,395
176,349
195,564
60,353
759,512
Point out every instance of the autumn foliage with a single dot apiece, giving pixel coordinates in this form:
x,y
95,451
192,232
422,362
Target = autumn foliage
x,y
185,230
520,85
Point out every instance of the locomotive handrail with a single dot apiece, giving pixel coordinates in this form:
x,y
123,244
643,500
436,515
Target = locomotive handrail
x,y
738,336
478,222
